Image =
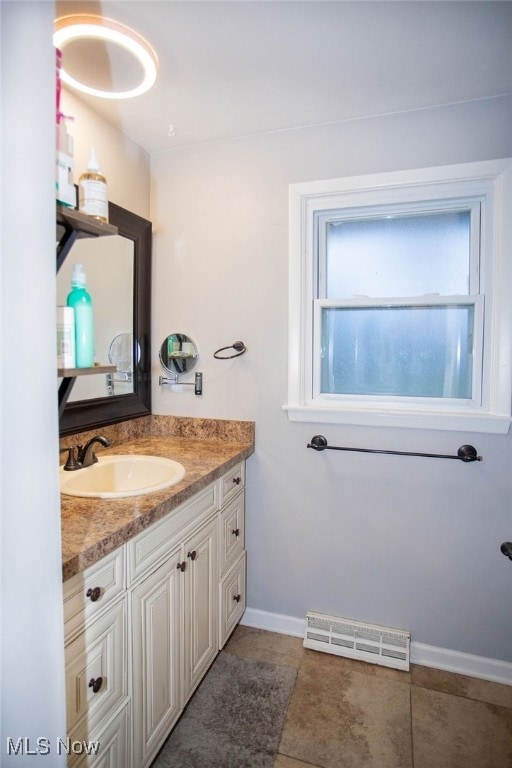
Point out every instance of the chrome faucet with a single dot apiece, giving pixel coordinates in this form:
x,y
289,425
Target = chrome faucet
x,y
86,455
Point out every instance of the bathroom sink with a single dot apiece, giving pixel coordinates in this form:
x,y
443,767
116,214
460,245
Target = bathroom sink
x,y
118,476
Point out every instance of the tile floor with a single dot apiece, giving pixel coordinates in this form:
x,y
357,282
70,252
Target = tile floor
x,y
350,714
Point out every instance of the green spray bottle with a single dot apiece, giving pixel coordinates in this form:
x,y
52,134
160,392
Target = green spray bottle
x,y
81,302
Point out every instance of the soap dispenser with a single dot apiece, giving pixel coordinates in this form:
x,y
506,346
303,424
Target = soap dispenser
x,y
81,302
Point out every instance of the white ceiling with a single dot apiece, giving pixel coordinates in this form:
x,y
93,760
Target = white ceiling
x,y
240,68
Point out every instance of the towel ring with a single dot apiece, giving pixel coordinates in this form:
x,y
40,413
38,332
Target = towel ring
x,y
238,346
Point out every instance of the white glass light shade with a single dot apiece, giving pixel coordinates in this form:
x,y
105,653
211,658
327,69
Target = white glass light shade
x,y
83,27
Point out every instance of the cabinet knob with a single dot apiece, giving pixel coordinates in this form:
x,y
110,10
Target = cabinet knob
x,y
237,480
192,554
181,566
237,598
95,684
236,531
94,594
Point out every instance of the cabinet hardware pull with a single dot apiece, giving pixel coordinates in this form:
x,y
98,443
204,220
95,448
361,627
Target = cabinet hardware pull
x,y
94,594
192,554
181,566
237,480
237,598
236,531
95,684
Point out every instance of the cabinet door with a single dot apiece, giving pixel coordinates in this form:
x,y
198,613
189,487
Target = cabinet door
x,y
200,605
156,658
96,669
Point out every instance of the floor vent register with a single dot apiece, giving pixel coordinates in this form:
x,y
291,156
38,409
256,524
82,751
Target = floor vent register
x,y
357,640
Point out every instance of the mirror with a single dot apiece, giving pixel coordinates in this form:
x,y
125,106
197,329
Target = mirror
x,y
108,264
178,353
119,279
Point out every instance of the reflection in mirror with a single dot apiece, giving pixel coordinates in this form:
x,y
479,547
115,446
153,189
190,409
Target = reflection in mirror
x,y
119,281
121,354
108,263
178,353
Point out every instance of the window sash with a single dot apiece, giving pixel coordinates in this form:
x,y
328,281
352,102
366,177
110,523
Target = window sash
x,y
325,398
322,220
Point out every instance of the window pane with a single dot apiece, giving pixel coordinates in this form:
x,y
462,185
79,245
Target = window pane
x,y
410,255
421,351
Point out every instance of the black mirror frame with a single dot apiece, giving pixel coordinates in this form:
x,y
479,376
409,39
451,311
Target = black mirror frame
x,y
83,415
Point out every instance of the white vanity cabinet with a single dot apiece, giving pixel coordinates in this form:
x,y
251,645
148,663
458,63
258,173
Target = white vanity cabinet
x,y
174,616
96,656
149,619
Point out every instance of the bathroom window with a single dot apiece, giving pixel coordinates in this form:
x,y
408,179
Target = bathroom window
x,y
398,311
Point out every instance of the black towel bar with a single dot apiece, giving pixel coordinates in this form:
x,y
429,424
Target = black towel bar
x,y
466,453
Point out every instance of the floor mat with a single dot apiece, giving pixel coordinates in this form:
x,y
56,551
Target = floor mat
x,y
235,718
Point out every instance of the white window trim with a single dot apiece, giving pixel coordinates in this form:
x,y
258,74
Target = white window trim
x,y
490,180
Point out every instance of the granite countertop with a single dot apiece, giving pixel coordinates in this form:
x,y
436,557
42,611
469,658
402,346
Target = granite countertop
x,y
92,528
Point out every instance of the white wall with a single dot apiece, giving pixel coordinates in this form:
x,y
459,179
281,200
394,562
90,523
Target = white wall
x,y
407,542
32,645
126,167
123,162
32,665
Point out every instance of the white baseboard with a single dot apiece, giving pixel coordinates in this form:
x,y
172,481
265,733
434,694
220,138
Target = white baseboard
x,y
274,622
461,663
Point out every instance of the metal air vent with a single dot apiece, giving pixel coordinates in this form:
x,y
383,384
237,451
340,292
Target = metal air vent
x,y
356,640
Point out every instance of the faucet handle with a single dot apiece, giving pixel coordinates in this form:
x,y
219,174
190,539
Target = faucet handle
x,y
71,463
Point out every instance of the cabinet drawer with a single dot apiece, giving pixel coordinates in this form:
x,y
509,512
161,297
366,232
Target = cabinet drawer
x,y
87,593
232,599
232,482
109,747
96,668
153,545
232,534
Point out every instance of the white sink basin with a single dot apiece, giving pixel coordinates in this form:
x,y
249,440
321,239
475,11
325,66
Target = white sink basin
x,y
114,477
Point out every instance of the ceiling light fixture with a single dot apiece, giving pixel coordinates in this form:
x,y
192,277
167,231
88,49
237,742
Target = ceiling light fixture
x,y
116,42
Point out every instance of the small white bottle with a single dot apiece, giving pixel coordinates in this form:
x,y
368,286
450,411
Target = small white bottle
x,y
65,188
93,191
65,337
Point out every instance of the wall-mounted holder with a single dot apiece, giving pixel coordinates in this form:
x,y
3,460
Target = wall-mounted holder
x,y
238,346
178,355
466,453
122,352
174,380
